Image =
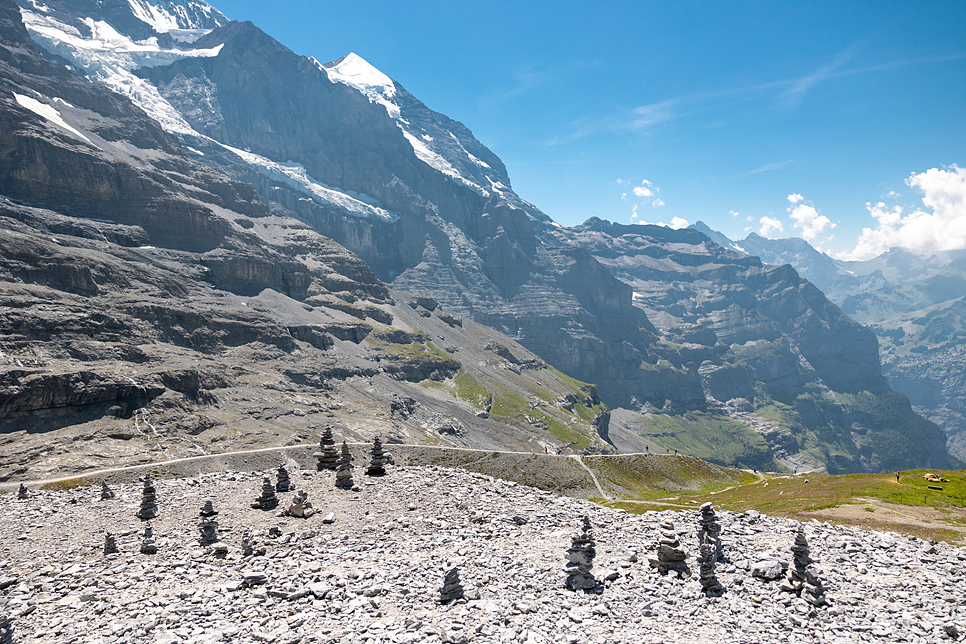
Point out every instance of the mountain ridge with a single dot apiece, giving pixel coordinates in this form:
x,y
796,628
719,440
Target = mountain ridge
x,y
660,321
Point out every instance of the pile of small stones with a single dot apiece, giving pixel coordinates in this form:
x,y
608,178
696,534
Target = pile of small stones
x,y
371,565
670,555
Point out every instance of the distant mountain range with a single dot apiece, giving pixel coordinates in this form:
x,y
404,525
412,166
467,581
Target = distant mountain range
x,y
257,173
914,303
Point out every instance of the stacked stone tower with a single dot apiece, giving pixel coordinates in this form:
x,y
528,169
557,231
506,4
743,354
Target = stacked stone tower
x,y
580,559
149,499
343,473
708,527
208,526
377,464
452,588
106,492
670,554
804,577
267,500
148,545
706,567
284,483
327,456
110,544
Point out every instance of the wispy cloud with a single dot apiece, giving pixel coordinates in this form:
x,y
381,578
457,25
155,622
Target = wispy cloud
x,y
783,94
794,95
769,167
532,77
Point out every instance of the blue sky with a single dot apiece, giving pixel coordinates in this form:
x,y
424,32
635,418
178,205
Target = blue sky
x,y
782,112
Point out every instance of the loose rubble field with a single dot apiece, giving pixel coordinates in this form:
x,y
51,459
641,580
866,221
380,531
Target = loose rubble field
x,y
374,574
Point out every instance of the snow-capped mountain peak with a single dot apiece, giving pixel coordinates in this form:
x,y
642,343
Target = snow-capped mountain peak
x,y
355,71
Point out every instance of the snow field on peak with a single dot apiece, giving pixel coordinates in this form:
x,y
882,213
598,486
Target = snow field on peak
x,y
356,72
108,57
175,15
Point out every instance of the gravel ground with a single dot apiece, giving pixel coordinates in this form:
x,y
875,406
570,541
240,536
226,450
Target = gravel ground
x,y
374,574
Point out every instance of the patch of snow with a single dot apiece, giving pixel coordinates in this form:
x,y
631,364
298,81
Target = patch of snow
x,y
739,248
48,113
40,7
295,176
146,247
191,149
154,15
637,296
356,72
60,100
437,161
110,57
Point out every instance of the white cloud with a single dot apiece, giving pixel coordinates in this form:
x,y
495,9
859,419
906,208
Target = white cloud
x,y
807,219
770,225
624,196
620,182
941,226
677,223
641,191
750,218
733,213
657,202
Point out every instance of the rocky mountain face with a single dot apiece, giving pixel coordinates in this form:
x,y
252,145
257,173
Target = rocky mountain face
x,y
703,348
153,308
913,303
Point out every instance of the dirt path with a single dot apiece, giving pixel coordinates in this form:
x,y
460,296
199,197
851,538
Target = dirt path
x,y
593,476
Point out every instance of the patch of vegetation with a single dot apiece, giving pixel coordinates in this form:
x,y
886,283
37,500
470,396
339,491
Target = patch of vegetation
x,y
469,389
508,403
65,484
563,433
651,477
588,414
585,388
418,348
713,436
433,384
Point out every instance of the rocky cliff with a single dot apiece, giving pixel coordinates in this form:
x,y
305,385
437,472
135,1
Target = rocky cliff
x,y
913,303
658,321
153,307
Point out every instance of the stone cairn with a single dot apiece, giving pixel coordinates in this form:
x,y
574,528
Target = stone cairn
x,y
110,544
268,500
452,588
377,464
208,526
706,565
148,545
106,492
343,473
22,492
149,500
670,554
327,456
709,527
580,559
804,577
300,506
284,483
247,543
